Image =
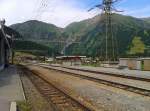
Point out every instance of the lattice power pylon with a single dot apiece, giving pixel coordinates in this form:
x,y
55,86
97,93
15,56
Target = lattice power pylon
x,y
108,8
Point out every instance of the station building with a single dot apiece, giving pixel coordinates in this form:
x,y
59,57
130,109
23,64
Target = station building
x,y
5,44
70,60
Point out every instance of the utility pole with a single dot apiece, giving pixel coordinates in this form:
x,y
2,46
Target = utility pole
x,y
107,7
12,52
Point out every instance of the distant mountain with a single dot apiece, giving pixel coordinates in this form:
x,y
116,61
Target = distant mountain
x,y
91,34
38,30
146,19
36,37
131,35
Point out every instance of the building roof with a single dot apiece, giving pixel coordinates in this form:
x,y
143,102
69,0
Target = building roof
x,y
69,57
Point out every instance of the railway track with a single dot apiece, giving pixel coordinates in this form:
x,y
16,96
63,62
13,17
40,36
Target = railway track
x,y
59,100
134,89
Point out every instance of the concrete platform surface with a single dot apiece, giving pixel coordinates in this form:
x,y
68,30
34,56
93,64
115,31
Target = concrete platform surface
x,y
10,85
126,72
4,106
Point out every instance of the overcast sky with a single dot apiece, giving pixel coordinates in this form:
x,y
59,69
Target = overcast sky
x,y
64,12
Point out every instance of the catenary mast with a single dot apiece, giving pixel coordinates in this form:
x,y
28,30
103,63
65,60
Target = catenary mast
x,y
108,8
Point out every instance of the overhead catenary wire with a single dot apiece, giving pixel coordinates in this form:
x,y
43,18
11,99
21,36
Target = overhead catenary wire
x,y
41,9
43,5
108,8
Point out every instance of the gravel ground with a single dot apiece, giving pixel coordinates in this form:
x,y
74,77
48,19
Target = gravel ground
x,y
34,98
130,82
101,96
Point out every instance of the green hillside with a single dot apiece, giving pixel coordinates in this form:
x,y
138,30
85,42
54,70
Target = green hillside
x,y
129,35
38,30
92,31
146,19
32,47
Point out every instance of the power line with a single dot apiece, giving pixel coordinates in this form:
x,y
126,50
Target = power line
x,y
107,7
43,5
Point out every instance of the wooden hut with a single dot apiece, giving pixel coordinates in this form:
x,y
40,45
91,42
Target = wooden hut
x,y
145,64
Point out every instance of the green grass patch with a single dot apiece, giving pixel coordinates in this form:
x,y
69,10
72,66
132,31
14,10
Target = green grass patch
x,y
23,106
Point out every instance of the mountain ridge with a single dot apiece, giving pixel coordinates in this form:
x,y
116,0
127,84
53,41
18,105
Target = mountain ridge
x,y
90,33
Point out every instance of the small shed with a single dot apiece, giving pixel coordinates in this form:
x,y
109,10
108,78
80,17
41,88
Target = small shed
x,y
70,60
131,63
123,62
145,64
135,63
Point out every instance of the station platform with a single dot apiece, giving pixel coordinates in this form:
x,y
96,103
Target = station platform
x,y
115,71
4,105
10,88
